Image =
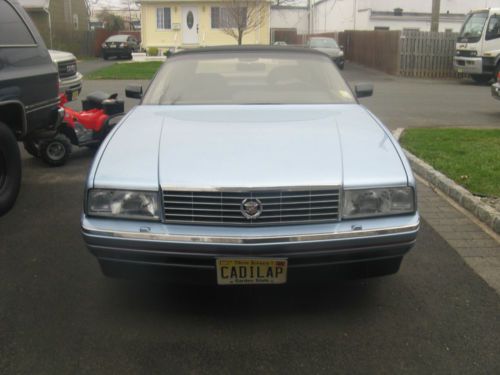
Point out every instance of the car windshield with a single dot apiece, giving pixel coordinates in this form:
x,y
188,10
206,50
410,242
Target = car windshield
x,y
473,27
323,43
117,38
248,77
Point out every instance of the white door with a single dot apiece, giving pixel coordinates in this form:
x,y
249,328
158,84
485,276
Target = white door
x,y
189,25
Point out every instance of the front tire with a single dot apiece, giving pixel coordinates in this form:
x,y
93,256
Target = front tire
x,y
480,78
10,169
105,57
55,151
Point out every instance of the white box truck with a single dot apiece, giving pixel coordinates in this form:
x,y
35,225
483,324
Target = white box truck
x,y
478,45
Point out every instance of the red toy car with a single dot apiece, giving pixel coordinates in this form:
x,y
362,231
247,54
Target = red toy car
x,y
88,127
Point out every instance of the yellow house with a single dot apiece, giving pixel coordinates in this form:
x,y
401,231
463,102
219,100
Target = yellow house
x,y
198,23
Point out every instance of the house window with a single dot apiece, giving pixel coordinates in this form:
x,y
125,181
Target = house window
x,y
223,18
163,21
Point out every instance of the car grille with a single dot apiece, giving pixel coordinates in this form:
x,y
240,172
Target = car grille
x,y
277,206
67,68
464,53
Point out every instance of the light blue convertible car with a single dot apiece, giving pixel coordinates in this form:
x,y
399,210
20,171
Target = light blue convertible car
x,y
249,165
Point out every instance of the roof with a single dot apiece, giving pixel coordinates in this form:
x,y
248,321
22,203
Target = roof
x,y
249,48
415,16
34,4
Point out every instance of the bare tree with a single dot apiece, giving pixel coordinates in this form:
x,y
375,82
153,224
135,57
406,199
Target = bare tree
x,y
237,18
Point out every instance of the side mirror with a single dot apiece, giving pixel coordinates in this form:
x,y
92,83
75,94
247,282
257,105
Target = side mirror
x,y
362,90
134,92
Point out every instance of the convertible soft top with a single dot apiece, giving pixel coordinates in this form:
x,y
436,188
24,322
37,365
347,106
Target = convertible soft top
x,y
249,48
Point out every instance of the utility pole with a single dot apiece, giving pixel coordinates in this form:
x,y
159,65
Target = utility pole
x,y
436,5
308,17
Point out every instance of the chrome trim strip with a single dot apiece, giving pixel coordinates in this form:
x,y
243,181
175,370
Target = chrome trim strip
x,y
18,45
252,240
40,105
165,188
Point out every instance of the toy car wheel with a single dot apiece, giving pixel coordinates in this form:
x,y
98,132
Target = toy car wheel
x,y
56,151
10,169
31,148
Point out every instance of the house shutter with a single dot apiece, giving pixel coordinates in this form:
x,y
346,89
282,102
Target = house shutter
x,y
215,17
166,17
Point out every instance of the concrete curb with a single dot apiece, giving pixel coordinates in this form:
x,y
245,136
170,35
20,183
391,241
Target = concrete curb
x,y
463,197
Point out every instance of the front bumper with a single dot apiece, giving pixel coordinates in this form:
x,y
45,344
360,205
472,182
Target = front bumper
x,y
178,249
73,83
468,65
495,90
474,65
116,51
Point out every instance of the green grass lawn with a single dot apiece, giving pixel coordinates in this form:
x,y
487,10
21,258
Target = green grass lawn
x,y
471,157
133,70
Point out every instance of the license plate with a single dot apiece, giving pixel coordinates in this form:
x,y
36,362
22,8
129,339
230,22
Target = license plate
x,y
243,271
112,45
74,95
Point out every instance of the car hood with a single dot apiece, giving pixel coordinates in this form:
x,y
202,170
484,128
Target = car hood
x,y
213,147
332,52
58,56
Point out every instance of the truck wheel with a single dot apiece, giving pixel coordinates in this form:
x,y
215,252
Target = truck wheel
x,y
10,169
55,151
480,78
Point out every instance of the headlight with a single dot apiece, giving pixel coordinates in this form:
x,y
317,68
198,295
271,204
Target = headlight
x,y
104,45
123,204
473,53
341,53
378,202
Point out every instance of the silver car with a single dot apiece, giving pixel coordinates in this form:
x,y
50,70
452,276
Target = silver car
x,y
251,165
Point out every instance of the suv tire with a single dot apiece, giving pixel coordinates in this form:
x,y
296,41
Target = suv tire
x,y
10,169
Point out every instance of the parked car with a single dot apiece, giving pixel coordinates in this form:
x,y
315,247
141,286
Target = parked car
x,y
330,47
28,93
119,46
249,165
69,77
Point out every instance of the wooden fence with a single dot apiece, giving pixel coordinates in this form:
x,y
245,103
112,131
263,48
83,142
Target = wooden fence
x,y
378,49
409,54
427,54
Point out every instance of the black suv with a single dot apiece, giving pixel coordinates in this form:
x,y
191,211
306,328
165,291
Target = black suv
x,y
28,93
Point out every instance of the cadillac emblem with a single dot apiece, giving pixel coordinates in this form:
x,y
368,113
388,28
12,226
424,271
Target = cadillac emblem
x,y
251,208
